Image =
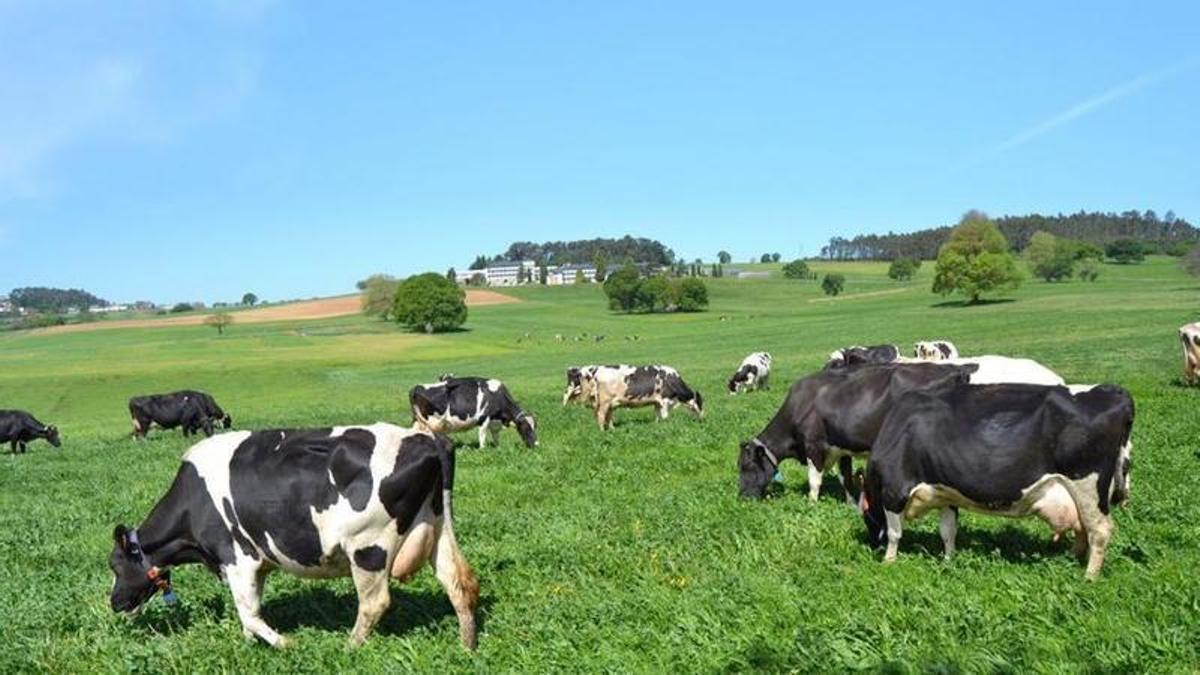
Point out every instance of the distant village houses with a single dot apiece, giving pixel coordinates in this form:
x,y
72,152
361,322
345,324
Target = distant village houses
x,y
517,273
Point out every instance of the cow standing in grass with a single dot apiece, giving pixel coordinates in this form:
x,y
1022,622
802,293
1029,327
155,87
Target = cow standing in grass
x,y
636,386
367,502
1189,335
753,373
192,411
18,427
461,403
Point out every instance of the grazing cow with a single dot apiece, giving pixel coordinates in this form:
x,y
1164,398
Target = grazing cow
x,y
460,403
18,427
187,409
1189,335
754,373
365,502
581,383
936,350
636,386
211,408
1007,449
859,355
831,416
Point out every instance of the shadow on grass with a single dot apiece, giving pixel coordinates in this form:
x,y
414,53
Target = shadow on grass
x,y
1012,544
329,610
978,303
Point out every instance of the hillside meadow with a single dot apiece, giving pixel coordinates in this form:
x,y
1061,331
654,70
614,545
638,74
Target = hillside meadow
x,y
628,551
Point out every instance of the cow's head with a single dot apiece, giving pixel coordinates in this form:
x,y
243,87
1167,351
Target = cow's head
x,y
135,580
757,465
574,385
872,512
696,404
742,376
52,436
527,426
227,421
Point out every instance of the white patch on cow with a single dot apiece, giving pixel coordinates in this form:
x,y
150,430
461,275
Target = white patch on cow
x,y
948,528
1080,388
1001,369
494,385
815,474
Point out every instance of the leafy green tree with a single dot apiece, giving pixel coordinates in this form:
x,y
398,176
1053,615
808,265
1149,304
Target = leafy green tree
x,y
724,257
654,294
833,283
543,273
765,258
600,262
181,307
692,295
580,277
1125,251
1049,258
250,299
480,263
797,269
452,275
975,260
622,287
219,320
1089,269
379,295
903,269
775,257
430,302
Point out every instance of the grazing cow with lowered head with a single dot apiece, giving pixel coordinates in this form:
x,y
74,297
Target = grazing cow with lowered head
x,y
1189,335
460,403
18,427
211,408
936,350
636,386
831,416
187,409
1005,449
754,373
367,502
859,355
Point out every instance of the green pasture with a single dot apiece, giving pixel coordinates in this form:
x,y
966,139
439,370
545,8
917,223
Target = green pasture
x,y
628,551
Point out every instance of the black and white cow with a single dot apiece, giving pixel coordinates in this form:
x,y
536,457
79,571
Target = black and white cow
x,y
1189,335
935,350
189,409
754,373
832,416
636,386
1005,449
461,403
859,355
367,502
18,427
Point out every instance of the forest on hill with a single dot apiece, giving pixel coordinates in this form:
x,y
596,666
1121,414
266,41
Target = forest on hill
x,y
584,251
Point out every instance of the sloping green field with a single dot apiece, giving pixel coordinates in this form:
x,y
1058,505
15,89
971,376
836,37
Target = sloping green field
x,y
626,551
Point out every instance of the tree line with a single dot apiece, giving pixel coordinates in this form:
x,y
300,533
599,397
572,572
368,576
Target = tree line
x,y
583,252
54,300
1168,234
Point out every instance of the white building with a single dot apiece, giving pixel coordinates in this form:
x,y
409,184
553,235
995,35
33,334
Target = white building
x,y
5,305
510,274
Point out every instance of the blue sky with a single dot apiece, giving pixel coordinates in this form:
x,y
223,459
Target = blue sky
x,y
197,150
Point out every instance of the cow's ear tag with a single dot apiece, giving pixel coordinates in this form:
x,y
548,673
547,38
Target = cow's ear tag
x,y
778,478
169,597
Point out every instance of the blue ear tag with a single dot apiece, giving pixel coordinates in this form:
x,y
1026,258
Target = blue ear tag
x,y
169,597
778,478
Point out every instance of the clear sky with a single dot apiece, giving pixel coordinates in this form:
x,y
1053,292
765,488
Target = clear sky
x,y
197,150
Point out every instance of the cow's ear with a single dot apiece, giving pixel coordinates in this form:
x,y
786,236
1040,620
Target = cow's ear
x,y
120,535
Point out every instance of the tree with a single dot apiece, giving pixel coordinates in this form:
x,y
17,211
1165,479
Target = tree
x,y
654,293
452,275
903,269
480,263
600,262
833,283
692,295
724,258
765,258
797,269
250,299
1191,261
775,257
975,260
1089,269
431,303
219,321
379,295
181,307
543,273
621,287
580,277
1049,258
1125,251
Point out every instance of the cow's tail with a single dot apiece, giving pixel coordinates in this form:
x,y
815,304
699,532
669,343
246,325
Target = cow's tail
x,y
446,459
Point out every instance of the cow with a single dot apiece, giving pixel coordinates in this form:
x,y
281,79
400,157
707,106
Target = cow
x,y
1189,335
369,502
211,408
935,350
187,409
754,373
18,427
461,403
1006,449
859,355
830,417
581,383
636,386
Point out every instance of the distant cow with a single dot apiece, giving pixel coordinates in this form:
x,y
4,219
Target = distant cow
x,y
636,386
936,350
1007,449
754,373
461,403
367,502
859,355
18,427
188,409
1189,335
581,383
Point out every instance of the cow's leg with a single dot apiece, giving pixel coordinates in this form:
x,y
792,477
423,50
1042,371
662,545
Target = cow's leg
x,y
1081,543
1098,536
846,476
373,600
457,577
664,410
21,445
814,481
14,446
494,432
483,435
246,583
948,527
895,527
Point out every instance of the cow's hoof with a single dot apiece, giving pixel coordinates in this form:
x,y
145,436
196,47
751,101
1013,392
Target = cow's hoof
x,y
285,642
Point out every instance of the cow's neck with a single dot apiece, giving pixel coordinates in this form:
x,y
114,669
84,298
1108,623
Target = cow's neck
x,y
778,437
166,536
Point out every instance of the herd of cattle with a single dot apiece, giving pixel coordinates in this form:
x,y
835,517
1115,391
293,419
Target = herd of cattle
x,y
991,434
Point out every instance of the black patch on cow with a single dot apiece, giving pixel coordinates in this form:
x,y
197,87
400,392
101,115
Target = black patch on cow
x,y
246,545
372,558
351,467
642,382
424,467
944,349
